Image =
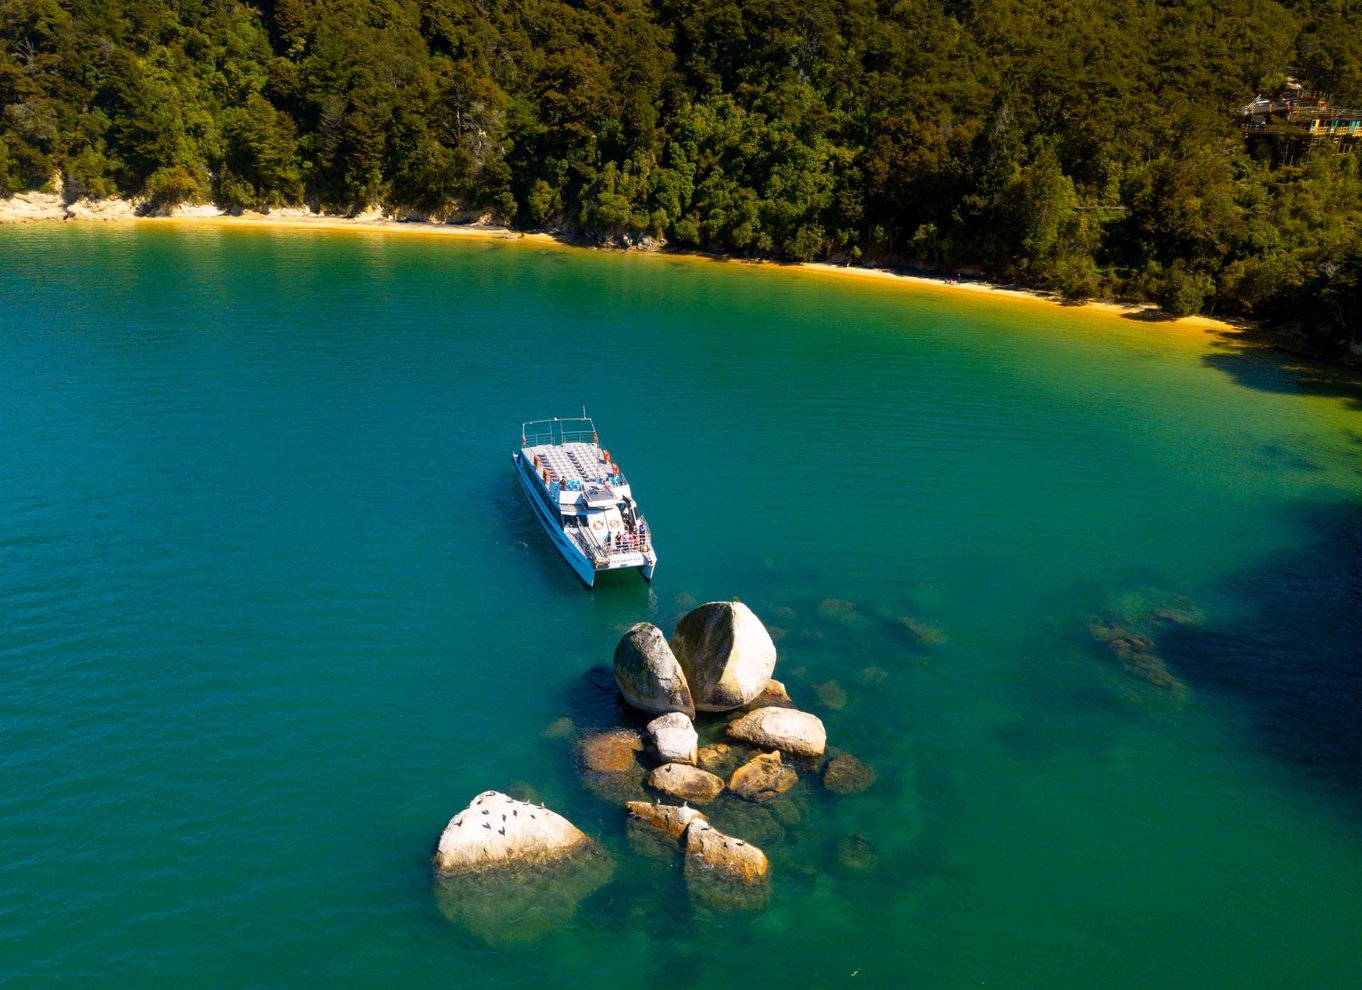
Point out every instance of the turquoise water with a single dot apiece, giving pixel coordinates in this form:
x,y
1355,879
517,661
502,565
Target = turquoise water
x,y
272,609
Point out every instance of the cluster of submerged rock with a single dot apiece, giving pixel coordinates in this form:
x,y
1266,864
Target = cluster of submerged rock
x,y
719,660
1128,634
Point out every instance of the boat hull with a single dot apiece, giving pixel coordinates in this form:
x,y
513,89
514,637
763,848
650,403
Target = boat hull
x,y
581,566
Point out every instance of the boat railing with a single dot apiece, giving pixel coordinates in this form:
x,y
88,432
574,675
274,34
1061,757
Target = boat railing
x,y
585,543
630,543
557,431
601,552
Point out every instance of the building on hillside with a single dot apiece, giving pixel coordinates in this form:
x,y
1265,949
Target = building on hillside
x,y
1297,121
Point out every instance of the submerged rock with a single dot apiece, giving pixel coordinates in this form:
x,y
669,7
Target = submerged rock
x,y
1152,670
1135,654
1124,646
753,822
689,783
786,729
612,751
600,677
560,728
719,758
831,695
648,674
786,811
496,830
920,633
762,778
723,871
845,774
838,610
726,654
856,853
1178,616
617,788
674,738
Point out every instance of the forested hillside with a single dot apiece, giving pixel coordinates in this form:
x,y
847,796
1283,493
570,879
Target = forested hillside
x,y
1091,146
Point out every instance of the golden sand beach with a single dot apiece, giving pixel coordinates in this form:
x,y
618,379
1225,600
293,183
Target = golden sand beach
x,y
46,208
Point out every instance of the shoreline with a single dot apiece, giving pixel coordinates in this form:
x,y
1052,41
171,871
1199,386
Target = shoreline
x,y
45,208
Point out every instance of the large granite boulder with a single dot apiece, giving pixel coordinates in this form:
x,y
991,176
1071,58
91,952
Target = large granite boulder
x,y
496,831
785,729
511,871
648,674
726,654
686,782
724,872
674,738
763,778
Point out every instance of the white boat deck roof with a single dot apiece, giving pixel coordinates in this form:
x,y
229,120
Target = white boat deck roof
x,y
571,461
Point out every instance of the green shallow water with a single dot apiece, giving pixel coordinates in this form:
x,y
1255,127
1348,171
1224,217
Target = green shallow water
x,y
272,609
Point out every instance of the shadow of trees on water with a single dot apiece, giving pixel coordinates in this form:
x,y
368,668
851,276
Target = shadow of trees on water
x,y
1295,652
1150,314
1266,363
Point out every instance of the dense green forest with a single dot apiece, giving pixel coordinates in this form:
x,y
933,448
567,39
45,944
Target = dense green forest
x,y
1089,146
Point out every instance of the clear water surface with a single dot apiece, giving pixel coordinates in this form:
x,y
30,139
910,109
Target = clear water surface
x,y
272,609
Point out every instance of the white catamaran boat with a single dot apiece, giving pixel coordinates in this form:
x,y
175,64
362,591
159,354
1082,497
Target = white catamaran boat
x,y
582,498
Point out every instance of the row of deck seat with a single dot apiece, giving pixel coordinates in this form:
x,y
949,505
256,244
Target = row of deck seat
x,y
566,464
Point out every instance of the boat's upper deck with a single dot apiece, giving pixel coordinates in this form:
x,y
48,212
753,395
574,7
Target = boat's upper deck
x,y
570,451
583,463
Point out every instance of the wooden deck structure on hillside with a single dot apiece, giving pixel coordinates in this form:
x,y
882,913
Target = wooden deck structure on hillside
x,y
1299,123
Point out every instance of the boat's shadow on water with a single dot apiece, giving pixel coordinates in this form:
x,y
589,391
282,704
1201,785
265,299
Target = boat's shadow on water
x,y
1293,652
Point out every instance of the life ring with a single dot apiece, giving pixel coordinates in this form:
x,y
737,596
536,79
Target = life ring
x,y
597,525
614,524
